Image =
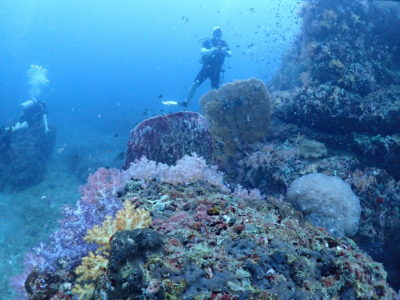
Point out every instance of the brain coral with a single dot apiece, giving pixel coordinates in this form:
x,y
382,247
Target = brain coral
x,y
238,116
326,201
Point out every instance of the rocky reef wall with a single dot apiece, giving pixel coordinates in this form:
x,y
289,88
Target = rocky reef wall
x,y
341,79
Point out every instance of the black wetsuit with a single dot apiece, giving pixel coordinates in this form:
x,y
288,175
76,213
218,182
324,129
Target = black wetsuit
x,y
34,113
212,63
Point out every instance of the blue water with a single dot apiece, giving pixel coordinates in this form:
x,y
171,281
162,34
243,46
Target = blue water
x,y
108,62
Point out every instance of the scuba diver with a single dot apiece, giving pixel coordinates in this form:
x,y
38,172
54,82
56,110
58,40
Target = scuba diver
x,y
34,111
213,51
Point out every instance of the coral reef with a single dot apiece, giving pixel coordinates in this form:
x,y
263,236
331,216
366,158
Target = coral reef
x,y
340,84
274,166
168,138
347,53
218,246
95,264
66,247
380,217
238,115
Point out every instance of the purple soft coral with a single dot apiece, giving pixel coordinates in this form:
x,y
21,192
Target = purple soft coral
x,y
67,246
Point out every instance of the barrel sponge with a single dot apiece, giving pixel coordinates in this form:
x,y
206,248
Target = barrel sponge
x,y
326,201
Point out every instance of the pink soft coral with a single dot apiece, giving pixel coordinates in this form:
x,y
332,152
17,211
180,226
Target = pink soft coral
x,y
103,183
189,169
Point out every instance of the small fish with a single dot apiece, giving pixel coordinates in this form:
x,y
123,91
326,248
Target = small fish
x,y
168,103
251,45
160,96
115,135
145,112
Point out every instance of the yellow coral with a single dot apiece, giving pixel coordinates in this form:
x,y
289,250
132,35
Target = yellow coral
x,y
95,264
84,291
126,219
91,266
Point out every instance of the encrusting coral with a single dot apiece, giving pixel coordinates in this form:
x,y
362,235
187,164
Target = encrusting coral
x,y
95,264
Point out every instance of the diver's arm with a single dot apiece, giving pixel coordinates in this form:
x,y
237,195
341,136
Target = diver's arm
x,y
226,50
45,123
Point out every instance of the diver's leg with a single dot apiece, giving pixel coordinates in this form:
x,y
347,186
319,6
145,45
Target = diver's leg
x,y
196,83
215,79
191,91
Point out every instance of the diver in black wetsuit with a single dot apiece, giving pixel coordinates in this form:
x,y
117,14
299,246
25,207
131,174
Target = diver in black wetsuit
x,y
213,53
34,111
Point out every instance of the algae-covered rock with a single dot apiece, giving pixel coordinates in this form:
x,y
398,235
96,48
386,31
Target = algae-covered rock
x,y
130,249
238,115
